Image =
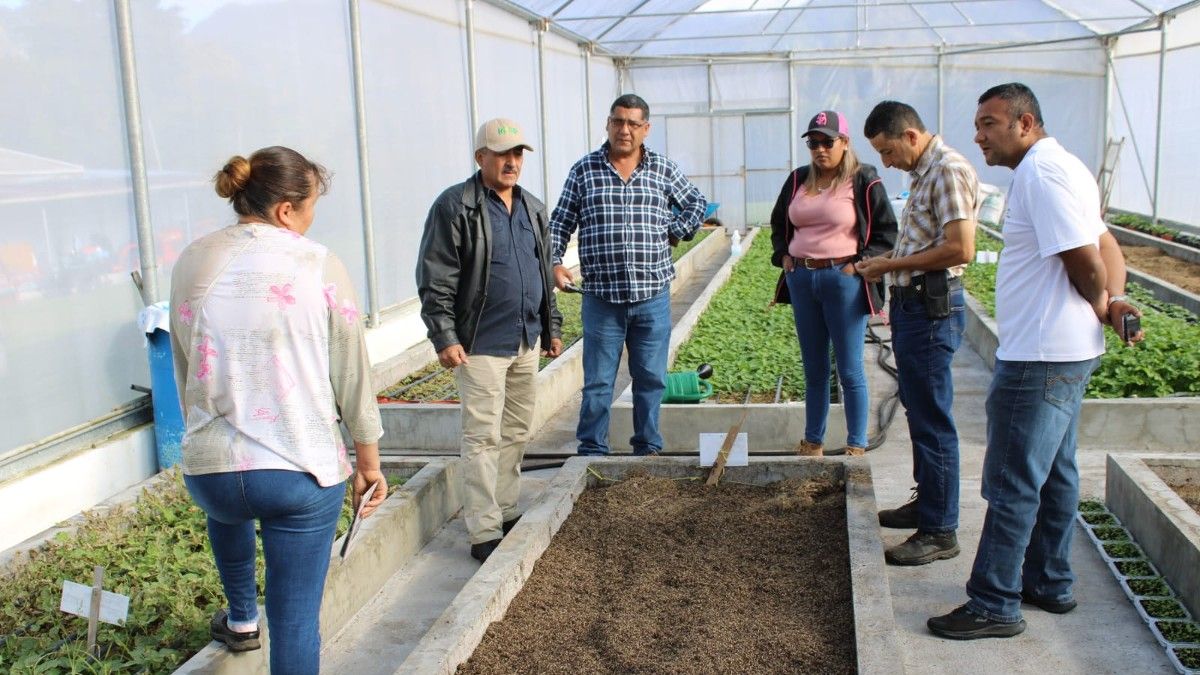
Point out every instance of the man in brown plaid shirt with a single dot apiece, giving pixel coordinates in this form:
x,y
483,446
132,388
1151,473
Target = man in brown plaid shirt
x,y
935,242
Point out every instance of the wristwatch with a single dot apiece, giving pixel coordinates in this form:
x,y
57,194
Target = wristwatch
x,y
1117,298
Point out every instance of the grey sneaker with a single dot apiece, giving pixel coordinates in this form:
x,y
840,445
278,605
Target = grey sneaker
x,y
923,548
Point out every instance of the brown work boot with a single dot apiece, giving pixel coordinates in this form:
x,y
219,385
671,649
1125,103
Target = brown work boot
x,y
855,451
810,449
922,548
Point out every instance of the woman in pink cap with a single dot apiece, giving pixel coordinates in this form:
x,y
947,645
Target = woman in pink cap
x,y
830,214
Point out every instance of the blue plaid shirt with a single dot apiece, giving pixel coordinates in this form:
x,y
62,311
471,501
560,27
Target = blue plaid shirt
x,y
623,227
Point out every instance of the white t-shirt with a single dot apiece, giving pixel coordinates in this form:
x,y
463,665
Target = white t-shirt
x,y
1054,206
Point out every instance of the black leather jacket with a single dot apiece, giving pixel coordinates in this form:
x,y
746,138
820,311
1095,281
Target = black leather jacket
x,y
875,222
454,264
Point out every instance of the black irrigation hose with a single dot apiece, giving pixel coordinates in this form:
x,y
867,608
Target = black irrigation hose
x,y
887,407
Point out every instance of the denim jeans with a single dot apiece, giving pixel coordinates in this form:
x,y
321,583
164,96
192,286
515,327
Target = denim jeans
x,y
1031,484
830,305
924,348
645,328
298,518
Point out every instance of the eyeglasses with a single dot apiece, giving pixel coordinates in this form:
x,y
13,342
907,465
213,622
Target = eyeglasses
x,y
814,143
618,123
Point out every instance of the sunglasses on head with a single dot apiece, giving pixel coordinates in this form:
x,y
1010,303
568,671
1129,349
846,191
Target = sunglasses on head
x,y
814,143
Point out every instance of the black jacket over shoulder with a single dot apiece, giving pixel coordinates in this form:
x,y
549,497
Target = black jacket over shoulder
x,y
454,264
874,218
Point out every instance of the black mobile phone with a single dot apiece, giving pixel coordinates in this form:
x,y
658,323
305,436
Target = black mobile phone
x,y
1130,325
572,288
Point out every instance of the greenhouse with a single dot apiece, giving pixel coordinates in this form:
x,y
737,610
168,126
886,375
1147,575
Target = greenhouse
x,y
119,113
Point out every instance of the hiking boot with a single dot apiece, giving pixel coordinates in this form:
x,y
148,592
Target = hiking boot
x,y
922,548
509,525
855,451
963,624
901,518
1048,605
483,549
810,449
236,642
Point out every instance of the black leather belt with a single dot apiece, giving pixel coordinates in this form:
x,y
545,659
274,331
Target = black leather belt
x,y
916,288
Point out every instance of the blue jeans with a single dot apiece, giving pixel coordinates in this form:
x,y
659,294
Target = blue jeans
x,y
1031,484
924,348
830,305
645,328
298,519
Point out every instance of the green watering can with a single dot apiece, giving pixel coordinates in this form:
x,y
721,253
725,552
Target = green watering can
x,y
689,386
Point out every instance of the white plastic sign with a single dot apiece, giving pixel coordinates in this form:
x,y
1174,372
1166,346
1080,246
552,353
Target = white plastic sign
x,y
77,600
710,445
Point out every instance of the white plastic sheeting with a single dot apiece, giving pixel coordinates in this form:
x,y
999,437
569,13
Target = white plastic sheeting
x,y
213,84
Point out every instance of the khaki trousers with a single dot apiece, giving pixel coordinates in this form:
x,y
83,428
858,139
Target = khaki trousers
x,y
497,394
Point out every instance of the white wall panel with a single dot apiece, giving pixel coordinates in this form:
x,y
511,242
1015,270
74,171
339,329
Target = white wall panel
x,y
69,348
418,124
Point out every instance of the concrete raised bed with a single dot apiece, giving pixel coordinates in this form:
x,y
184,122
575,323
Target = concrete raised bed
x,y
438,426
387,541
1129,423
1126,235
487,596
1166,528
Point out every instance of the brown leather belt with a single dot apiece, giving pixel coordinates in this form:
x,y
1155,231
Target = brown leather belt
x,y
821,263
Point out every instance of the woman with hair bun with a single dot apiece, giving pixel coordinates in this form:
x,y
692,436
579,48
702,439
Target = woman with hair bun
x,y
268,349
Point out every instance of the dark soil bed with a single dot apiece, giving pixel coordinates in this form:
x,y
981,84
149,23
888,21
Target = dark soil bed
x,y
653,575
1155,262
1185,483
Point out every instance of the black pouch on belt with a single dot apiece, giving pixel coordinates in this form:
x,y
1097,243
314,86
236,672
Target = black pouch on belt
x,y
937,294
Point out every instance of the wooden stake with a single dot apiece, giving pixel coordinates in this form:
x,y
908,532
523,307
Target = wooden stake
x,y
718,467
94,612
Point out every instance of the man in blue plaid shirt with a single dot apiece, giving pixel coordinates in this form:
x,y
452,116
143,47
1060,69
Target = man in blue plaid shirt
x,y
629,205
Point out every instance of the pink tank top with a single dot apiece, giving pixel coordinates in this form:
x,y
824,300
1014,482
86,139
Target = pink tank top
x,y
824,223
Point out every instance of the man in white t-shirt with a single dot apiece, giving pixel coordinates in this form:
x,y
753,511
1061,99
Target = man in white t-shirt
x,y
1060,280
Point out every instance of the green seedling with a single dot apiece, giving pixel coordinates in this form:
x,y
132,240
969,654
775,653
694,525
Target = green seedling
x,y
1149,587
1108,533
1163,608
1122,550
1179,631
1091,505
1189,657
1099,519
1134,568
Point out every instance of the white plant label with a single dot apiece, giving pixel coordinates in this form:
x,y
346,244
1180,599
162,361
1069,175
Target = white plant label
x,y
77,600
710,445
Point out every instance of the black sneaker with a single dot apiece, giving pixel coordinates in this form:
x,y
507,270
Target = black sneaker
x,y
901,518
510,524
236,642
922,548
482,550
1048,605
963,624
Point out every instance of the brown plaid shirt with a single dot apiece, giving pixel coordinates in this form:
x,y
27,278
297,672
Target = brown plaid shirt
x,y
944,188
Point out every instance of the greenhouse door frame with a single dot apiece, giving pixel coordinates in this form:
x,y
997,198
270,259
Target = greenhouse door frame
x,y
752,169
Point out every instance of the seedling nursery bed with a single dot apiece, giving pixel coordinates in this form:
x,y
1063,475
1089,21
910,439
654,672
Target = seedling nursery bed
x,y
777,569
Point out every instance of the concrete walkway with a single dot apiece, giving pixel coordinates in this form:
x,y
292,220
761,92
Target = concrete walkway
x,y
1104,635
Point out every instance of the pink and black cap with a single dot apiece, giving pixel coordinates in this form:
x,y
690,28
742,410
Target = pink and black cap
x,y
829,122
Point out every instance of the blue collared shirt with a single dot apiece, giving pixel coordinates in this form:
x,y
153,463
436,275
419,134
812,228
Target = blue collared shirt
x,y
510,315
623,226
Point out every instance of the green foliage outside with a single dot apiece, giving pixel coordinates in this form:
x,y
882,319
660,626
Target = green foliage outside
x,y
748,343
158,554
1165,363
441,386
